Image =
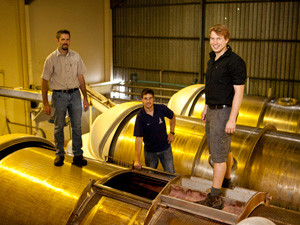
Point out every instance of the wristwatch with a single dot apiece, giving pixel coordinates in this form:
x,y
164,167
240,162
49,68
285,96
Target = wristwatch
x,y
172,133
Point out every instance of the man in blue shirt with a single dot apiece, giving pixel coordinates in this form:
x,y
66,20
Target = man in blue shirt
x,y
150,127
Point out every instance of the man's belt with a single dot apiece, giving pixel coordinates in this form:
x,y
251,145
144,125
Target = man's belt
x,y
218,106
67,91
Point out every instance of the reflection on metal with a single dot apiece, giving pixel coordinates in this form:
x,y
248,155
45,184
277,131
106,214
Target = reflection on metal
x,y
103,193
255,111
266,159
39,192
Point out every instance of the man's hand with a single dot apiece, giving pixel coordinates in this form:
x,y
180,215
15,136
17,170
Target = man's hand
x,y
203,114
137,165
47,109
85,104
230,127
170,138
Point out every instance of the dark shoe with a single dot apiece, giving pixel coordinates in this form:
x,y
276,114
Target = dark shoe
x,y
213,201
228,184
79,161
59,160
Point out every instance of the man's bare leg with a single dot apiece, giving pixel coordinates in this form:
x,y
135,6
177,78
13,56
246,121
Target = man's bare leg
x,y
219,173
229,164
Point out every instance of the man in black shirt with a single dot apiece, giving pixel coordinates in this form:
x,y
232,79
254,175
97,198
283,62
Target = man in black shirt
x,y
224,88
150,127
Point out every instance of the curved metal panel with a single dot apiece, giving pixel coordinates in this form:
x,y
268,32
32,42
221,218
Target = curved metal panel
x,y
276,168
284,118
14,139
182,101
104,128
34,191
110,211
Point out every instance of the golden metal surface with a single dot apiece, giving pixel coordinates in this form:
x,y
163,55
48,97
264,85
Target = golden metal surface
x,y
34,191
104,128
13,139
188,137
284,118
249,114
181,102
109,211
250,145
255,111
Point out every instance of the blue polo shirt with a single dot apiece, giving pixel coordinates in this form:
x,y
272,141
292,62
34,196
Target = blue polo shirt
x,y
153,128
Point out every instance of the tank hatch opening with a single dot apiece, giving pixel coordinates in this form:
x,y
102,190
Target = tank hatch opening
x,y
131,187
137,184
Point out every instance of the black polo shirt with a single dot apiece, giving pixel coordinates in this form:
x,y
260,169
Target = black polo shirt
x,y
153,128
221,75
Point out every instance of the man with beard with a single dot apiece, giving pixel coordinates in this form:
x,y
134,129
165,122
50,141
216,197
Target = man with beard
x,y
64,70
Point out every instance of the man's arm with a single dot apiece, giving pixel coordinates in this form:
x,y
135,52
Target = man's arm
x,y
236,104
46,106
172,129
83,91
138,149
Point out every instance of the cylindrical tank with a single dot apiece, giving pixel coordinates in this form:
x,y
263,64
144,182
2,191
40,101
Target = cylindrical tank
x,y
255,111
265,159
34,191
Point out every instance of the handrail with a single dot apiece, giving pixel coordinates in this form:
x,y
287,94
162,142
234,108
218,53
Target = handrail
x,y
23,125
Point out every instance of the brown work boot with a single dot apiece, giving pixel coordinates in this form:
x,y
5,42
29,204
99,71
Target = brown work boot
x,y
79,161
227,183
59,160
213,201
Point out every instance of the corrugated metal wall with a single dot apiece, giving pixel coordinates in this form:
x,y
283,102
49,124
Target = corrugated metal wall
x,y
161,41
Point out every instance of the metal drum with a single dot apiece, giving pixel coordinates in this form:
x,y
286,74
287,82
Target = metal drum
x,y
255,111
34,191
265,159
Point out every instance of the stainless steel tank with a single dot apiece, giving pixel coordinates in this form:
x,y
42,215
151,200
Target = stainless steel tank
x,y
265,159
255,111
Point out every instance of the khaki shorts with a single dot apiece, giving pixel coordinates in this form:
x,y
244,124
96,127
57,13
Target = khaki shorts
x,y
217,140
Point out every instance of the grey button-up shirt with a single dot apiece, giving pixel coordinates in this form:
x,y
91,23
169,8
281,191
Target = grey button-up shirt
x,y
62,71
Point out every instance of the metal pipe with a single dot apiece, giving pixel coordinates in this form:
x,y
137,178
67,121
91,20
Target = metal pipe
x,y
160,83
